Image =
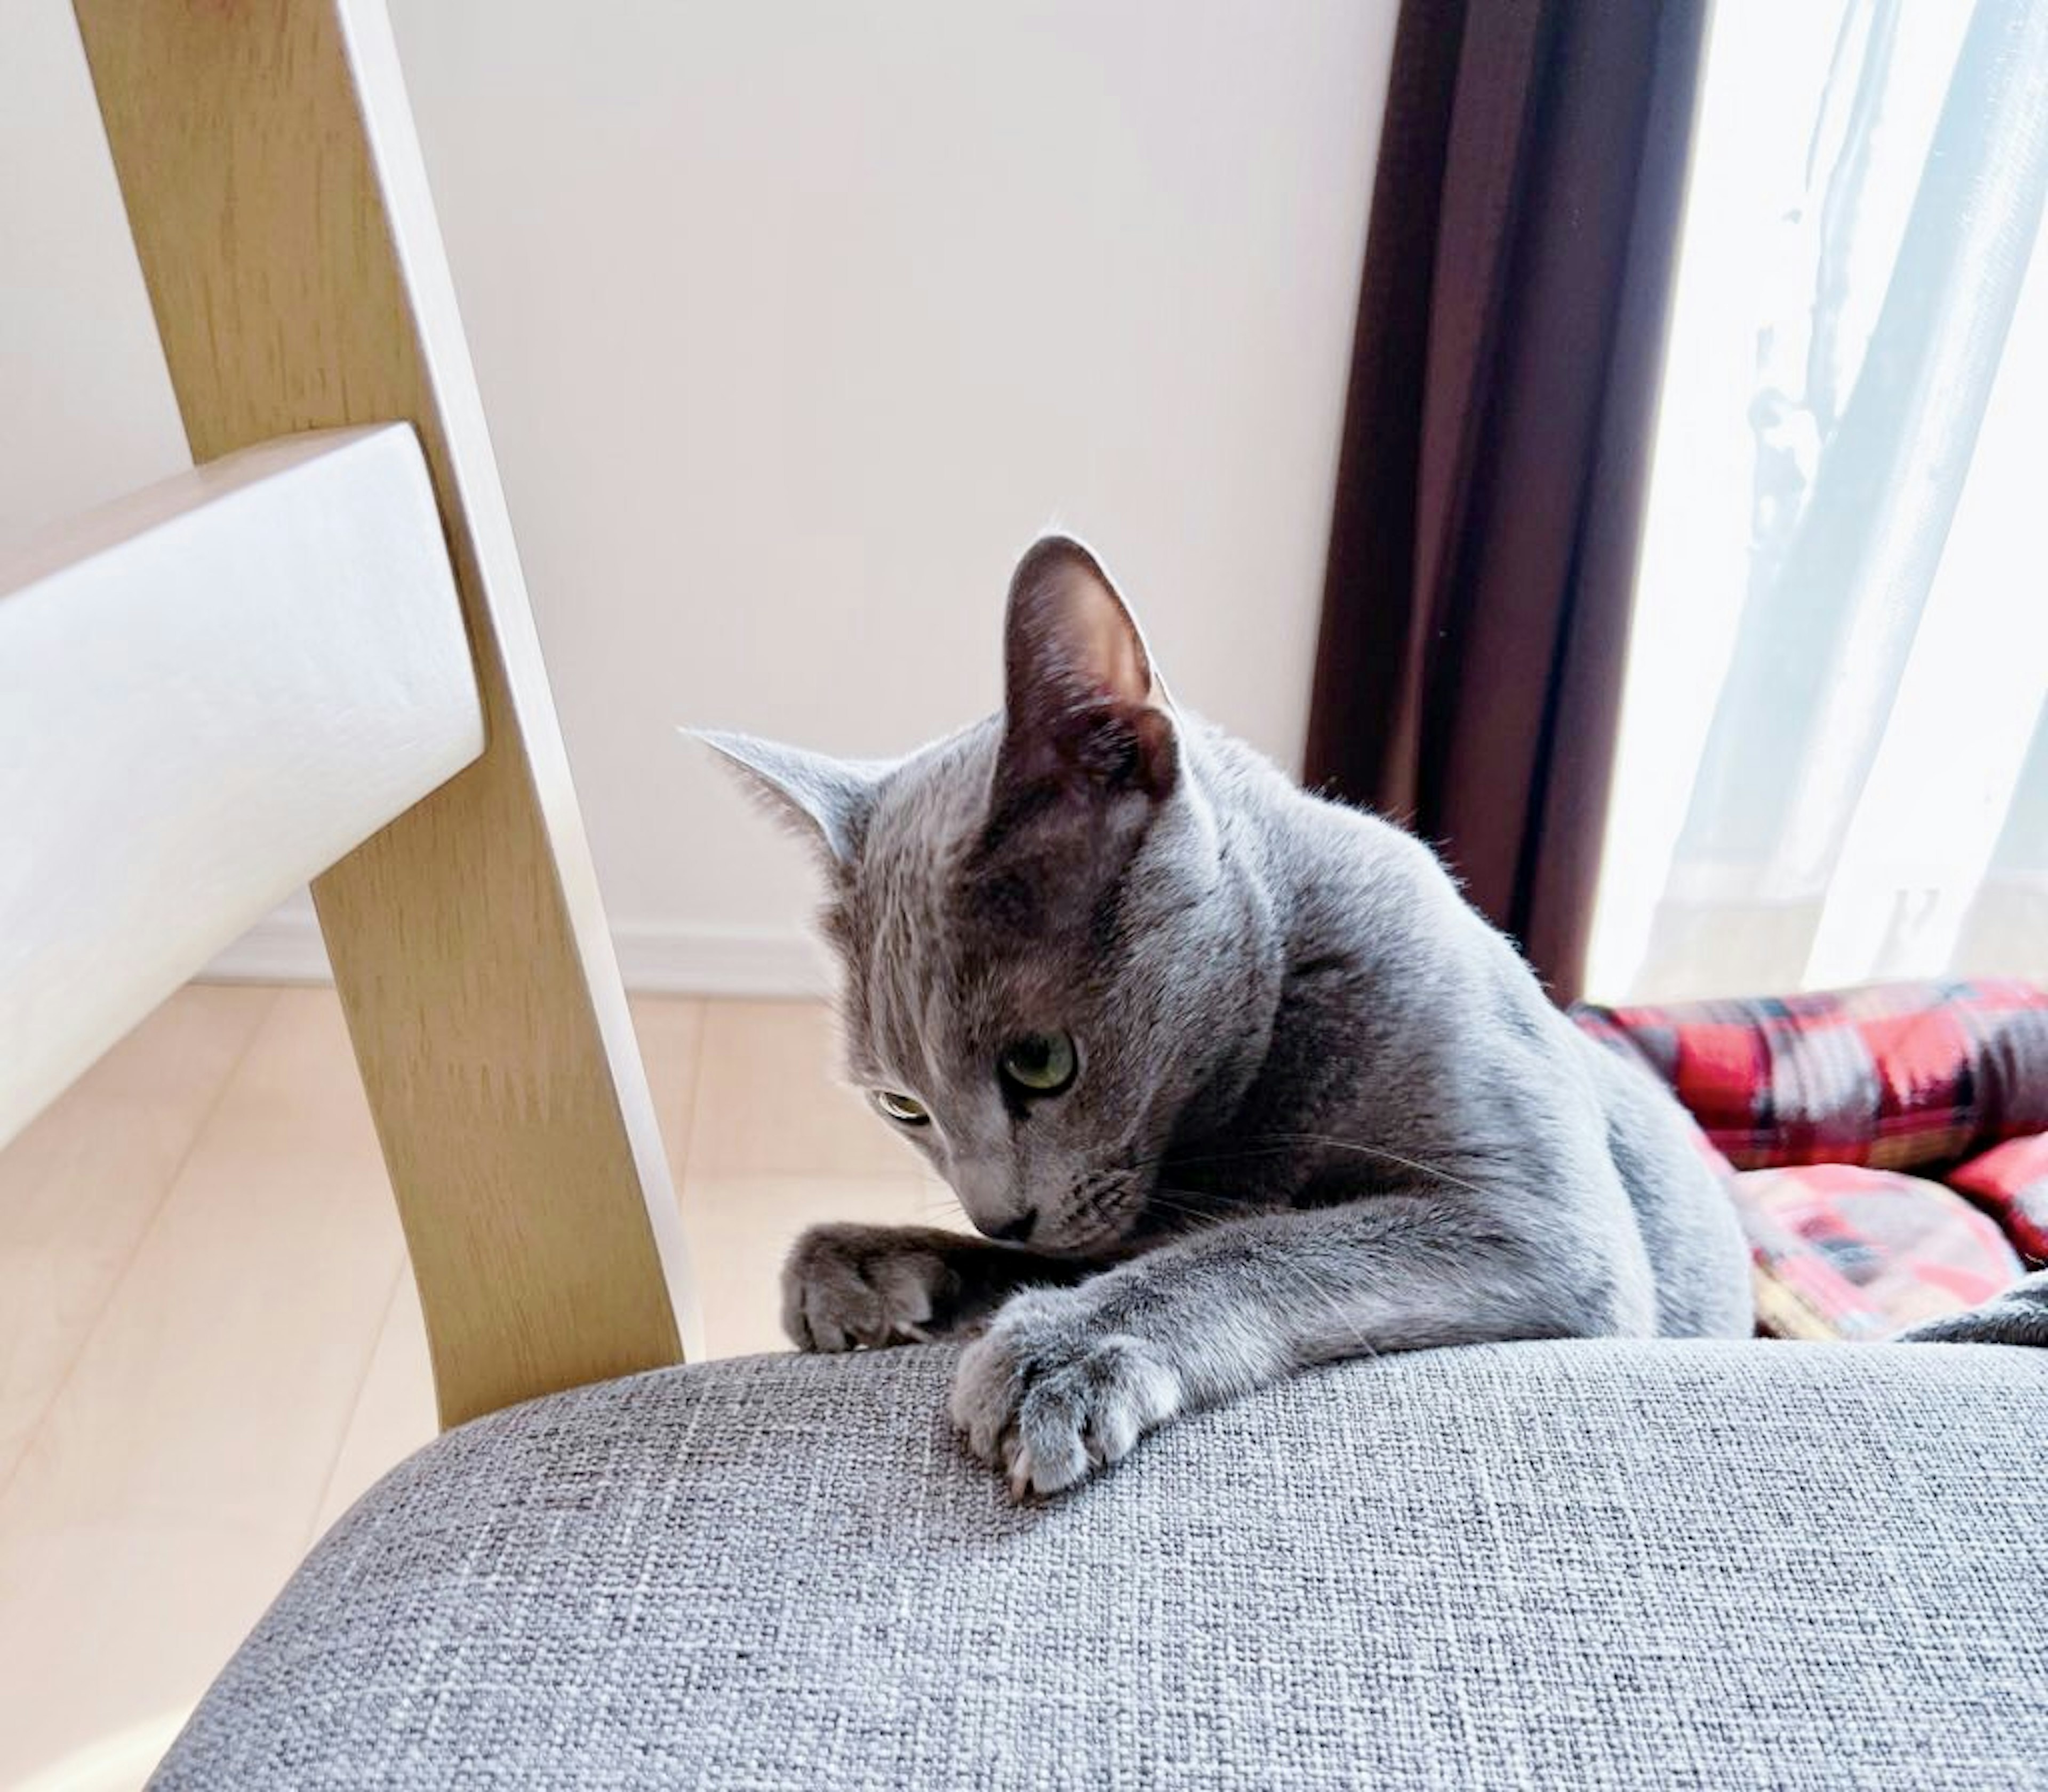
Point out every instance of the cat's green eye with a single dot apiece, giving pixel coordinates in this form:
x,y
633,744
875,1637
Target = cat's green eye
x,y
1039,1063
903,1109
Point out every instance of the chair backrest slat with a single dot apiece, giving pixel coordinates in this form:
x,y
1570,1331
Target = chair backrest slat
x,y
274,187
209,691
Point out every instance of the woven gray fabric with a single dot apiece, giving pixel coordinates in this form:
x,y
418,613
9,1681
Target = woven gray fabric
x,y
1571,1565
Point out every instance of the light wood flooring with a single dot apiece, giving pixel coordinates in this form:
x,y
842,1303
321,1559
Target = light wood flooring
x,y
210,1344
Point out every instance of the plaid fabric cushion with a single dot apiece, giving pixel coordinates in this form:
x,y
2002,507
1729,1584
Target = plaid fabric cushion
x,y
1893,1075
2010,1182
1843,1252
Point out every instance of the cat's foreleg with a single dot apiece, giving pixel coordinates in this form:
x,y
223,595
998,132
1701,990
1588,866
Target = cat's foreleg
x,y
1066,1380
848,1287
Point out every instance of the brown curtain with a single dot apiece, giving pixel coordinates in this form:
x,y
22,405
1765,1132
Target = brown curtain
x,y
1503,389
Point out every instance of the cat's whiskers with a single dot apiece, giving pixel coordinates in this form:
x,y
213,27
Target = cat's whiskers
x,y
1343,1323
1274,1145
942,1204
1096,1198
1160,1205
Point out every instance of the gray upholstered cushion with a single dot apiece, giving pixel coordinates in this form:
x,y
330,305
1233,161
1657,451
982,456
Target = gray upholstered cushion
x,y
1540,1565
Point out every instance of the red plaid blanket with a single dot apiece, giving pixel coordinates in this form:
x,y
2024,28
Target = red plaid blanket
x,y
1893,1075
2010,1181
1841,1251
1890,1078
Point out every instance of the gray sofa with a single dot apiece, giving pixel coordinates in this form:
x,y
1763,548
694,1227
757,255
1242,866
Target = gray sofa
x,y
1549,1566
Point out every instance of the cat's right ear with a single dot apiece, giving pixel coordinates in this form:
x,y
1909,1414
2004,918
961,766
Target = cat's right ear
x,y
829,799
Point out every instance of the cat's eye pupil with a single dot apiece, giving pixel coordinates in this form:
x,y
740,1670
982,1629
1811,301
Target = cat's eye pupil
x,y
904,1109
1038,1063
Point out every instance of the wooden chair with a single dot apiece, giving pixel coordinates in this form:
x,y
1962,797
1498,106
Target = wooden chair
x,y
312,657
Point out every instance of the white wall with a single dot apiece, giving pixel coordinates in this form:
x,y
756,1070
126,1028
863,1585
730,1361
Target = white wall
x,y
85,411
794,323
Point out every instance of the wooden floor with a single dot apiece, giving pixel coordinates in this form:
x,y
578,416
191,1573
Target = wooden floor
x,y
210,1345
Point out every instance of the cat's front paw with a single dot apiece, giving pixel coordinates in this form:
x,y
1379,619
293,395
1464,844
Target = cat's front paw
x,y
1048,1395
855,1287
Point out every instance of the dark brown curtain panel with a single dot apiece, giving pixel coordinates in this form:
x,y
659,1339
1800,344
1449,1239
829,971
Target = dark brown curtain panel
x,y
1503,383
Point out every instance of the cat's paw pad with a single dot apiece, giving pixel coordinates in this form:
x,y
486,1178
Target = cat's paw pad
x,y
857,1287
1047,1397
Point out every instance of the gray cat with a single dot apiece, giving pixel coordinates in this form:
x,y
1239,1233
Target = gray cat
x,y
1230,1077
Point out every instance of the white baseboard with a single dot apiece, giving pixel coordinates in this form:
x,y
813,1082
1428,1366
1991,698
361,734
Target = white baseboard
x,y
284,947
674,961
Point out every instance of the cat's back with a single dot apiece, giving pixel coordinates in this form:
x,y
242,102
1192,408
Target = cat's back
x,y
1407,1008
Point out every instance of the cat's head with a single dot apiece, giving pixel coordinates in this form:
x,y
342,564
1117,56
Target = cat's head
x,y
1040,968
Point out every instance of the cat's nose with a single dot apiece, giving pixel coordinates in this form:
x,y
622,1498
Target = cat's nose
x,y
1017,1230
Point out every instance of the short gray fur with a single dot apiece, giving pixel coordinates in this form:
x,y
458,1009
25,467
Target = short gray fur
x,y
1591,1566
1324,1109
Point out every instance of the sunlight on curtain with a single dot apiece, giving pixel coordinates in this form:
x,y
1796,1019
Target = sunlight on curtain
x,y
1833,760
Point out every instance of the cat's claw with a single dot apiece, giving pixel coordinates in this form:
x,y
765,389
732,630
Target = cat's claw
x,y
1048,1396
861,1287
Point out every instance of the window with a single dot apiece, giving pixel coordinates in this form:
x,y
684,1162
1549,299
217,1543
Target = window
x,y
1833,761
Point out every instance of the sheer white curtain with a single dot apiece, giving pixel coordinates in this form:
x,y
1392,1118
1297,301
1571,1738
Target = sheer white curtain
x,y
1833,763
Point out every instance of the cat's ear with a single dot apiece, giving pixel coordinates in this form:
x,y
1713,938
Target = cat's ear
x,y
1089,750
1085,713
826,797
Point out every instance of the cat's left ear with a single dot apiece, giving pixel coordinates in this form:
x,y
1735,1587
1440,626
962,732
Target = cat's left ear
x,y
1089,753
1085,715
827,798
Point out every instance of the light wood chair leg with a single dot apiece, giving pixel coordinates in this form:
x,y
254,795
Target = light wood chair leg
x,y
274,185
